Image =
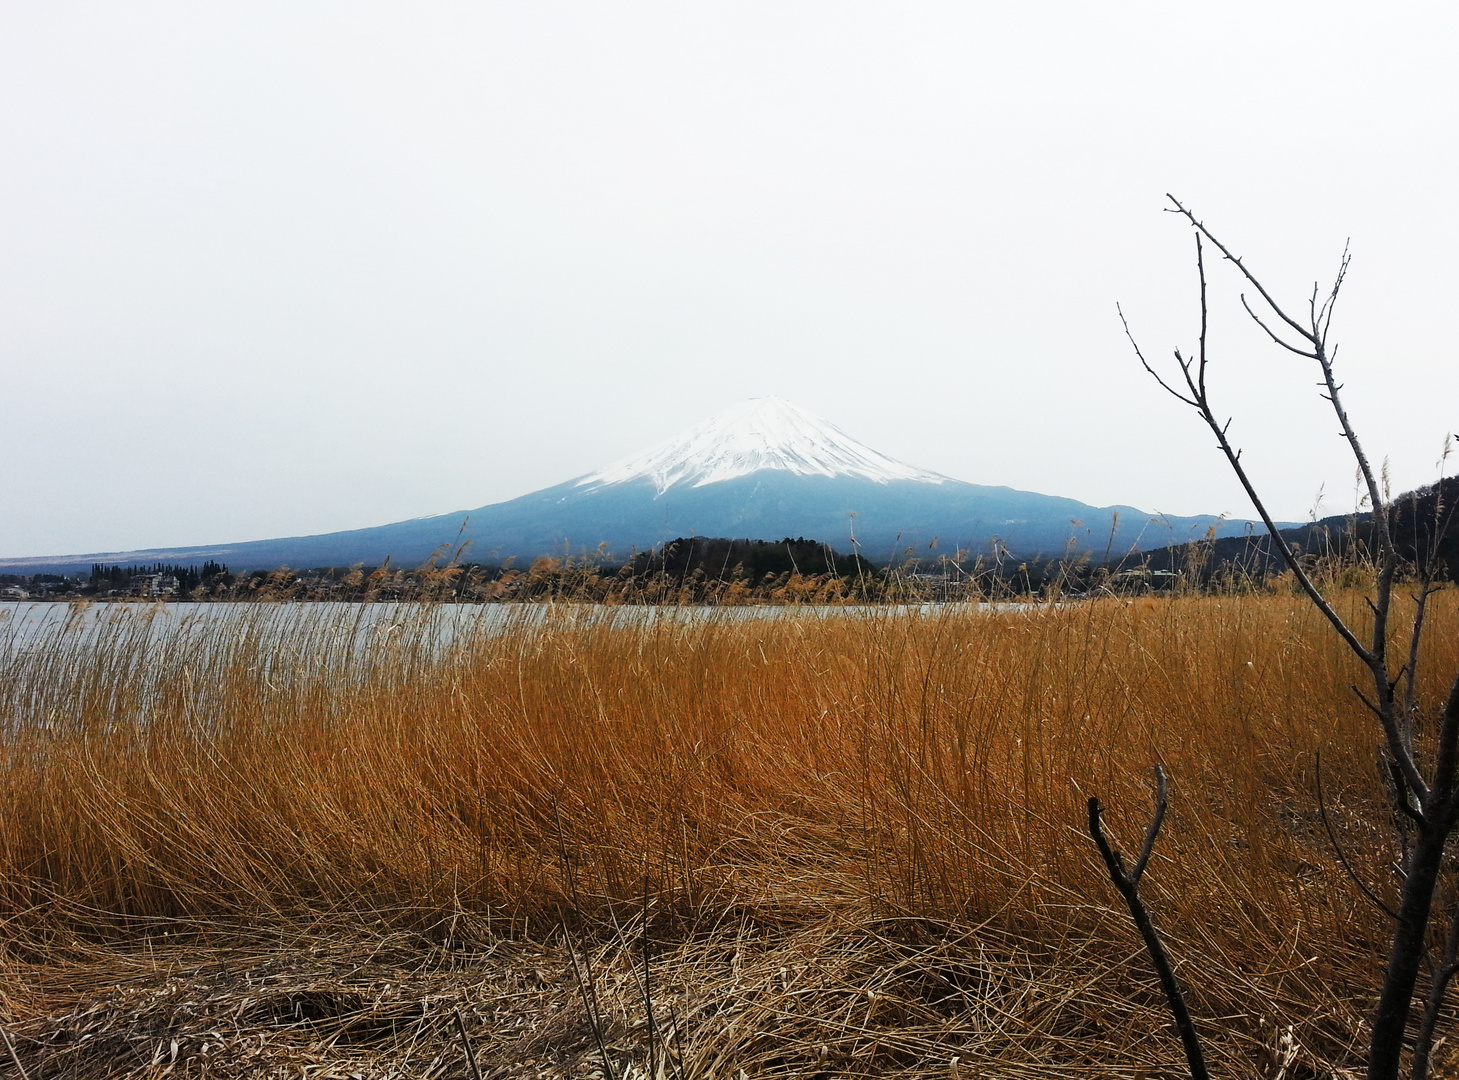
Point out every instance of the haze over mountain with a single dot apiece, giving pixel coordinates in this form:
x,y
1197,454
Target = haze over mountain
x,y
763,469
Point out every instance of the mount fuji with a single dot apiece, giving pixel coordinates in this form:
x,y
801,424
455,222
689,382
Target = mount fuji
x,y
762,469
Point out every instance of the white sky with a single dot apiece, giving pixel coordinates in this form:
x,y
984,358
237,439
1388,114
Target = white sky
x,y
278,269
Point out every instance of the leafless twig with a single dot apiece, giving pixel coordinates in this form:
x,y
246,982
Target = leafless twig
x,y
466,1042
1336,847
1447,968
14,1056
1128,884
589,1003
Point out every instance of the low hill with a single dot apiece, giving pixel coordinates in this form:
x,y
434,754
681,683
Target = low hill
x,y
1415,518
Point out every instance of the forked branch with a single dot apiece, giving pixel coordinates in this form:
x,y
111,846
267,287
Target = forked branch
x,y
1128,884
1315,336
1196,395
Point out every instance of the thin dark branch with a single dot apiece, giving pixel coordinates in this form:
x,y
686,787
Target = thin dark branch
x,y
648,999
1337,848
1377,654
590,1005
1180,209
1272,334
1364,699
1201,402
1161,802
1233,458
1185,371
466,1042
1434,1002
1129,888
14,1056
1410,689
1145,363
1429,796
1446,758
1325,315
1200,387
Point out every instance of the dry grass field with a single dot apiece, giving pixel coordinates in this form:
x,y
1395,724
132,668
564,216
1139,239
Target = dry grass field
x,y
280,842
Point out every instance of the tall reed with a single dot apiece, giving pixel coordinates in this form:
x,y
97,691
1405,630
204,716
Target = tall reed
x,y
272,761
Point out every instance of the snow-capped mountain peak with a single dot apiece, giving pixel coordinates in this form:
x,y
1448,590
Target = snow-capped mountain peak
x,y
762,433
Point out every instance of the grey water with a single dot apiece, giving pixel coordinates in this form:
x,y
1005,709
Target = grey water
x,y
28,624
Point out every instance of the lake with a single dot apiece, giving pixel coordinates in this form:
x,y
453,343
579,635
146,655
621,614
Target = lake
x,y
29,623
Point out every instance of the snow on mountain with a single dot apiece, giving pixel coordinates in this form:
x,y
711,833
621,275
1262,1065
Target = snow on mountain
x,y
762,433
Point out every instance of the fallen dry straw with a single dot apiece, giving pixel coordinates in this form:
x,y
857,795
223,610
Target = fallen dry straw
x,y
281,836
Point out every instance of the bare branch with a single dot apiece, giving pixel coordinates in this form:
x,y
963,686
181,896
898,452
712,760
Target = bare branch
x,y
1161,802
1375,494
1446,760
1233,457
1146,364
14,1056
1337,848
1374,657
1364,699
1128,885
590,1004
1272,334
1415,640
1201,370
1434,1003
1324,317
1180,209
1200,401
466,1042
1432,804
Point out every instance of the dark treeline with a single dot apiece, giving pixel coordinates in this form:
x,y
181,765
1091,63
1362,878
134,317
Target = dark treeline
x,y
722,559
117,581
1339,543
694,570
162,576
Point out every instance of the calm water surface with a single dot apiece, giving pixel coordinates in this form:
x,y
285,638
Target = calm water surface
x,y
30,623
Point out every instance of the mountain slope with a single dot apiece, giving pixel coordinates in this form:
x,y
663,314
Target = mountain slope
x,y
764,469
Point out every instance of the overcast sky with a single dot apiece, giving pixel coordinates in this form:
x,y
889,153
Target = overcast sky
x,y
270,270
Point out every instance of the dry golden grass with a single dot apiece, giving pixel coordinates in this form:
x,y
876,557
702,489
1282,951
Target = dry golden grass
x,y
860,839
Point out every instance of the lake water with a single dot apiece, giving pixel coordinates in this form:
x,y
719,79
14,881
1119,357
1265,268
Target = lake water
x,y
28,623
